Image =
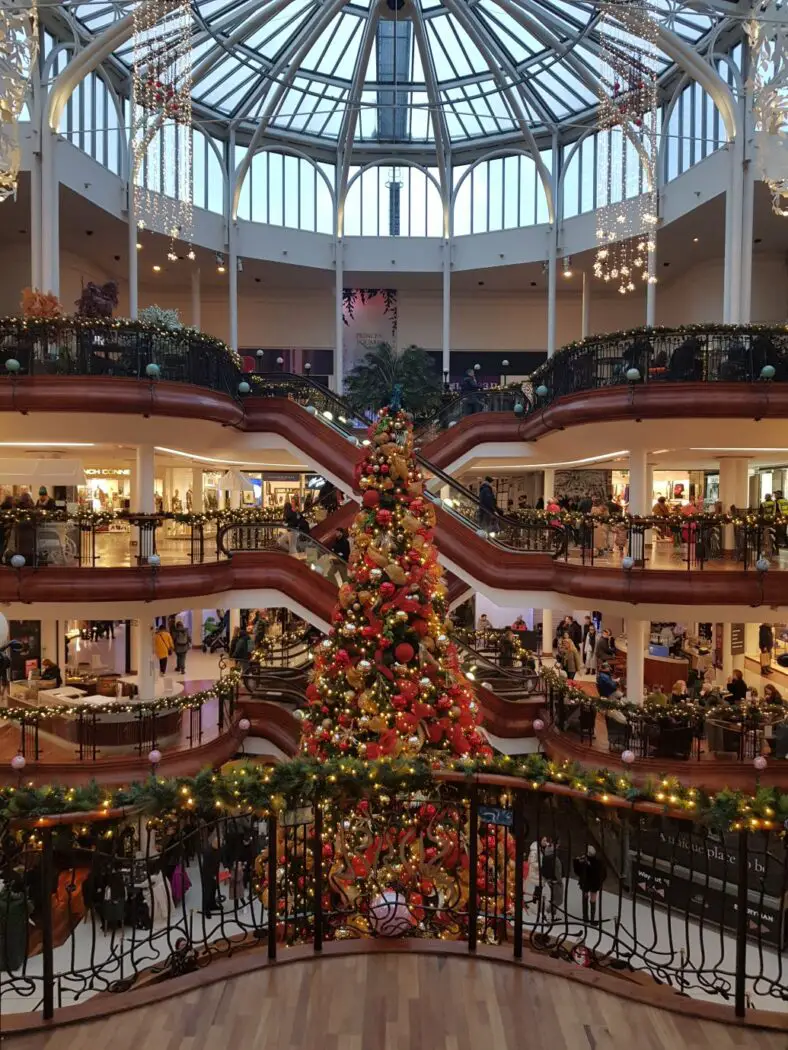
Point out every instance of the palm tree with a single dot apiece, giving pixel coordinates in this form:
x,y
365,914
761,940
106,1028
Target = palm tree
x,y
371,382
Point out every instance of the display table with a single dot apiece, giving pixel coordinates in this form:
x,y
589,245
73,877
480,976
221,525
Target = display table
x,y
658,671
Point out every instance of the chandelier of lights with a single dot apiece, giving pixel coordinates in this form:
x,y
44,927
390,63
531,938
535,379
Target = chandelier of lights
x,y
768,38
627,144
161,139
18,52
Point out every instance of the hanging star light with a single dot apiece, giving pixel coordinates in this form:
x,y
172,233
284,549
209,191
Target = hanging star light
x,y
18,51
768,38
162,125
627,144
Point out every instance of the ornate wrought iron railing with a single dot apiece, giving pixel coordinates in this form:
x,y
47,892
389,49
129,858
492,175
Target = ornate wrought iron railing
x,y
105,902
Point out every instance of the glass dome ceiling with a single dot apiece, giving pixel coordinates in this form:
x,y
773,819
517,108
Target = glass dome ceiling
x,y
471,72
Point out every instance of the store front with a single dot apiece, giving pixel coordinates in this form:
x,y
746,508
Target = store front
x,y
106,489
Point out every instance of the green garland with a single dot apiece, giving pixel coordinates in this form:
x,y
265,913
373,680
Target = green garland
x,y
709,328
181,702
263,790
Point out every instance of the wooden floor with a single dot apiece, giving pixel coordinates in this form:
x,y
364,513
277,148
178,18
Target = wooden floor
x,y
395,1002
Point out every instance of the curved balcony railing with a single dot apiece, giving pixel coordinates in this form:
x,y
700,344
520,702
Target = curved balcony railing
x,y
699,353
667,896
117,347
55,539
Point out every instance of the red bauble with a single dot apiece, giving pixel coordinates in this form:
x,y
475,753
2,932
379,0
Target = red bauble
x,y
384,468
328,850
371,498
312,692
421,627
387,589
408,689
404,653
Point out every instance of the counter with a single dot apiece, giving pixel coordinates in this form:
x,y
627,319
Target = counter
x,y
660,671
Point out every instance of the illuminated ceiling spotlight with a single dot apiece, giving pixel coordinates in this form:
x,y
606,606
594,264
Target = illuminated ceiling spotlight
x,y
567,271
220,267
239,264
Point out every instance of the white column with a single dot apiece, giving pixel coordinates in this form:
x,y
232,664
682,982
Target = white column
x,y
50,213
339,324
197,490
733,231
133,254
748,190
196,304
36,232
49,638
637,641
552,270
638,483
144,476
232,284
446,303
143,656
734,491
651,285
548,483
585,316
547,631
196,628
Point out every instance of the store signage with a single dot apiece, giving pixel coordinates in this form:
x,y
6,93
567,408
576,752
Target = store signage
x,y
737,639
112,472
495,815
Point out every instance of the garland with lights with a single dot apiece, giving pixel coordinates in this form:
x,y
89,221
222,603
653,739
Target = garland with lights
x,y
344,781
55,328
224,687
699,329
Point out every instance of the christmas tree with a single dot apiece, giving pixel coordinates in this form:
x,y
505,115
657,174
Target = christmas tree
x,y
387,680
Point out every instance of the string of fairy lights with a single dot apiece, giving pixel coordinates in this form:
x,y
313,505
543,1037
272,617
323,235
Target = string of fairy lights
x,y
628,122
161,140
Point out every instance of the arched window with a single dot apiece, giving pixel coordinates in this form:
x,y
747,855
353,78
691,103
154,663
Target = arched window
x,y
386,201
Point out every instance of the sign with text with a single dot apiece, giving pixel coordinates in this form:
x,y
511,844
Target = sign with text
x,y
737,639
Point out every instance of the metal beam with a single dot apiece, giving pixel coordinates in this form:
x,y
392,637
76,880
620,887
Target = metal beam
x,y
347,130
439,126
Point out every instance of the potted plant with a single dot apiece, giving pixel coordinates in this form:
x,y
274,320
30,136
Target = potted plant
x,y
15,911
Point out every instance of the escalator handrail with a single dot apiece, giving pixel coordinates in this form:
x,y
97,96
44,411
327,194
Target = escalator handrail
x,y
482,395
520,674
305,536
344,409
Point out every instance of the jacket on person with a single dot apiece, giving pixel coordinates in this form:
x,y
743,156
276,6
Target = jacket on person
x,y
182,640
162,644
570,659
765,638
604,649
487,496
605,684
590,873
575,632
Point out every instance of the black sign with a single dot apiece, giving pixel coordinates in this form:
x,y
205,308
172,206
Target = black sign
x,y
737,639
708,900
496,815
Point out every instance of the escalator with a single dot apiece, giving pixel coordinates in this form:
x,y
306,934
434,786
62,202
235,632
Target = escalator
x,y
486,548
306,572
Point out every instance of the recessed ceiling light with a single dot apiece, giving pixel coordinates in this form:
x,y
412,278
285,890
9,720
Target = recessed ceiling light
x,y
139,246
695,240
156,268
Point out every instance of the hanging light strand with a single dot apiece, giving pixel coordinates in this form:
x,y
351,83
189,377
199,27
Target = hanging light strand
x,y
627,144
162,118
768,81
18,53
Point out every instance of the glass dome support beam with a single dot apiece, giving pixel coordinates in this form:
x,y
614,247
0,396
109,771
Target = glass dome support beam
x,y
497,63
437,116
287,65
347,130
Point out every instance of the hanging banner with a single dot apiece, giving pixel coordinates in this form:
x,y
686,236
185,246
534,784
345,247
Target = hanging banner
x,y
370,317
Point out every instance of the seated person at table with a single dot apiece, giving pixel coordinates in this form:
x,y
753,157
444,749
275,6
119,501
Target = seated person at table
x,y
657,697
678,693
606,684
771,695
737,687
51,672
685,362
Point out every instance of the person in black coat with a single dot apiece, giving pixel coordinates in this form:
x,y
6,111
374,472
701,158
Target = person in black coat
x,y
766,645
575,632
488,506
590,873
737,687
341,544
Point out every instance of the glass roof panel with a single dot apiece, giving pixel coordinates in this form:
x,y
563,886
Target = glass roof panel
x,y
543,52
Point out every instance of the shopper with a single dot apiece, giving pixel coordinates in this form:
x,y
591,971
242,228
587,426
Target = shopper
x,y
569,657
45,501
551,872
737,687
50,672
605,648
341,545
507,648
606,684
163,647
766,646
589,650
488,506
590,873
182,643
